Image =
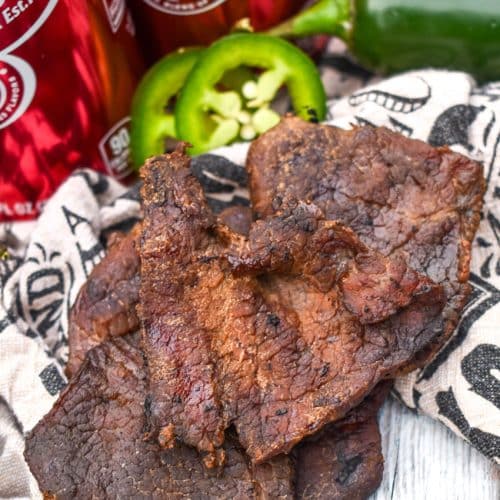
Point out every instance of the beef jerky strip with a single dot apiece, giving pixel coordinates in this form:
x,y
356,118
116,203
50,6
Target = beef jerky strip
x,y
91,444
221,352
105,306
353,318
351,463
400,196
344,460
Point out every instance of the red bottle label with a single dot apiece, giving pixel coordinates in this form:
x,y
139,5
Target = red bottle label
x,y
115,10
68,69
19,21
114,149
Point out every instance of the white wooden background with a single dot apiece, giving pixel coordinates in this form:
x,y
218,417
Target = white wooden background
x,y
425,461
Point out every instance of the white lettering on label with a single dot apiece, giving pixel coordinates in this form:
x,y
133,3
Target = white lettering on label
x,y
11,13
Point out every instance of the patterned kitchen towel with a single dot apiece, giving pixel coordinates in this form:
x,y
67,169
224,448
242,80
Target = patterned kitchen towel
x,y
52,258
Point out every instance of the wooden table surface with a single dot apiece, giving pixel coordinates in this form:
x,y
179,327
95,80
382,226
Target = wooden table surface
x,y
425,461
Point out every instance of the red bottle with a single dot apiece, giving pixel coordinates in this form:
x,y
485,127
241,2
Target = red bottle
x,y
164,25
68,69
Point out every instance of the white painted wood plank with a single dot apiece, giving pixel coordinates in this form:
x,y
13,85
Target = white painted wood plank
x,y
426,461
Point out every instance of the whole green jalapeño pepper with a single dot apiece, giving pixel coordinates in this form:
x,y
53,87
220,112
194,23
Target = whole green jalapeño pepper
x,y
396,35
208,117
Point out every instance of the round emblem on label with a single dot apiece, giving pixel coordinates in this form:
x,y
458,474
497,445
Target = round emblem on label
x,y
17,87
183,7
19,21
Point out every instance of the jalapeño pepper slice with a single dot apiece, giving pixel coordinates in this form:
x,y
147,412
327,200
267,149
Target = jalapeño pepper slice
x,y
208,117
151,121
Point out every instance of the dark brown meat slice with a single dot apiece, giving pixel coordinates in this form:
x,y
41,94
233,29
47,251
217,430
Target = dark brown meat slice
x,y
400,196
225,348
105,305
181,289
91,444
349,462
344,460
237,218
299,243
353,317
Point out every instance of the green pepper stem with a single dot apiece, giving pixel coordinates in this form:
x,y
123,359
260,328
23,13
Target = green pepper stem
x,y
328,17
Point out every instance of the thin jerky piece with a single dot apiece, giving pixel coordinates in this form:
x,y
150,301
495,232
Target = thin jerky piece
x,y
225,333
91,444
237,218
105,305
182,291
344,460
400,196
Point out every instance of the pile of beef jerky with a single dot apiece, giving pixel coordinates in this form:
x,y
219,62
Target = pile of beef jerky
x,y
268,338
